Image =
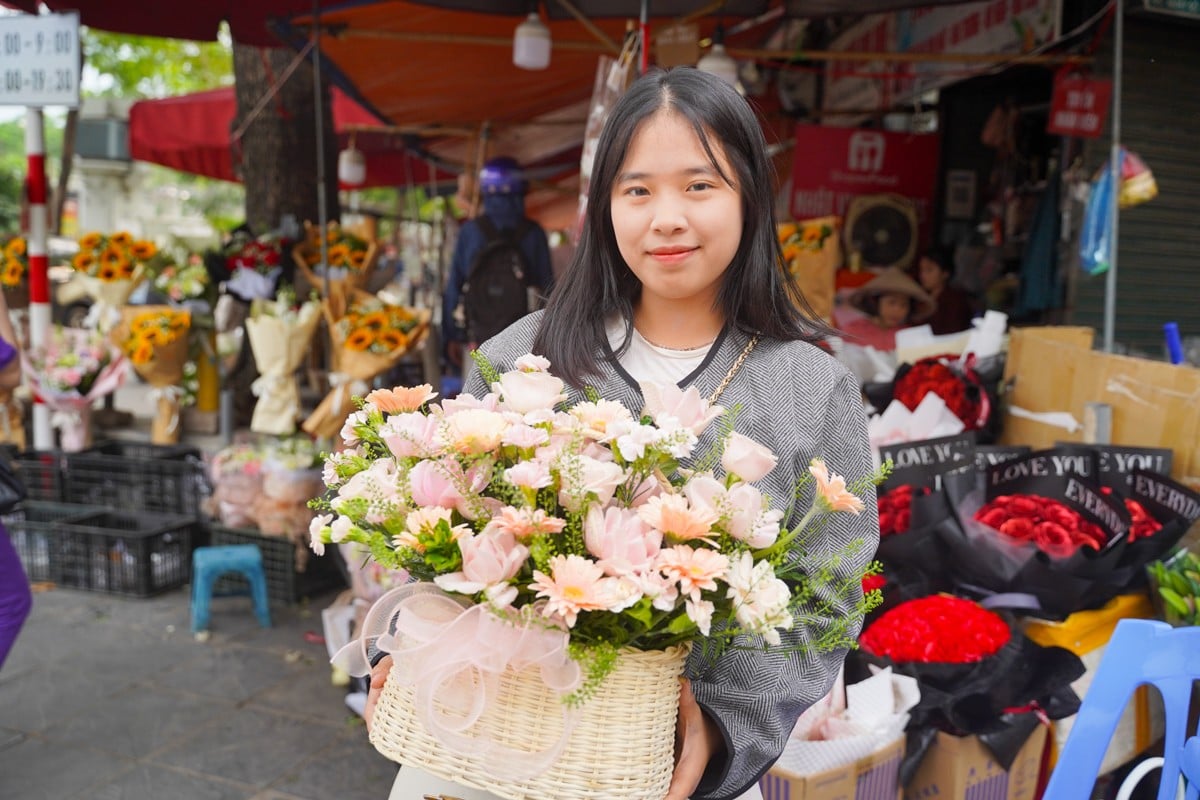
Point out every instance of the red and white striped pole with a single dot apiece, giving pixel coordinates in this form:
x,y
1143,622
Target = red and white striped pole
x,y
39,281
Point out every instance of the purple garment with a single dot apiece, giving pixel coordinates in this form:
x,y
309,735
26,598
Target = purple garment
x,y
7,353
15,597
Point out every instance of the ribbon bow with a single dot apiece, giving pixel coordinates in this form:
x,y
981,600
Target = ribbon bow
x,y
453,656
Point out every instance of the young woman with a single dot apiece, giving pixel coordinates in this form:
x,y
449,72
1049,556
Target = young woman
x,y
15,599
678,277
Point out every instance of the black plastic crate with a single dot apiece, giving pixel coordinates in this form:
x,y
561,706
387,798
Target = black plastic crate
x,y
285,585
37,530
42,471
135,476
136,554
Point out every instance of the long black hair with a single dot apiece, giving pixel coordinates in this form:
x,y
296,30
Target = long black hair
x,y
757,293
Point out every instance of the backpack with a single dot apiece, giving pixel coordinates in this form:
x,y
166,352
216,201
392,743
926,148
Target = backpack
x,y
495,294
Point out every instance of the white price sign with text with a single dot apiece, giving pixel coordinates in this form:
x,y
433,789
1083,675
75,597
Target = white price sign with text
x,y
39,60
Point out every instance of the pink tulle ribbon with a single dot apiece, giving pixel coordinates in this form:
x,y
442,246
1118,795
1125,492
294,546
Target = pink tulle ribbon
x,y
453,655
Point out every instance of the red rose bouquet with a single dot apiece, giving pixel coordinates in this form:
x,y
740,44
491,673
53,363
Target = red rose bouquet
x,y
1057,530
972,667
954,381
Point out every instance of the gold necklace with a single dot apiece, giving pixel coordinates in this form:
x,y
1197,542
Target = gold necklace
x,y
674,349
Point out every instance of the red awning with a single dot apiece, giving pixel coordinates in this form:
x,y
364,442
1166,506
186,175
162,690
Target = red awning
x,y
191,133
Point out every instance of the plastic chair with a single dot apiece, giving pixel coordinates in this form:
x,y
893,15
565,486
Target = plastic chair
x,y
1140,652
210,563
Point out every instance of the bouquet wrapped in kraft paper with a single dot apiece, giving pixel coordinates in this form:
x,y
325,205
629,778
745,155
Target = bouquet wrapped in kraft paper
x,y
156,340
280,333
350,259
368,337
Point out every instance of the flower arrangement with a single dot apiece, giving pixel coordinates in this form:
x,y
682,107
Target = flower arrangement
x,y
1144,524
349,258
800,237
1054,528
957,386
69,371
280,333
936,629
113,257
156,340
895,510
150,330
16,262
186,282
261,254
574,539
368,336
582,515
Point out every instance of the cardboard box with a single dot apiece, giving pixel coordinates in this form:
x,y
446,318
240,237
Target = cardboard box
x,y
873,777
960,768
1154,404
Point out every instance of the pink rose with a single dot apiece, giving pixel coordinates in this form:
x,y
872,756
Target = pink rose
x,y
490,560
620,540
410,435
685,406
429,484
746,458
528,391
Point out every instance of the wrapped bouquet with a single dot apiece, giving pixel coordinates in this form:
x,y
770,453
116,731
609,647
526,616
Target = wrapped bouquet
x,y
14,277
156,340
254,264
565,563
280,332
351,258
69,372
111,268
368,337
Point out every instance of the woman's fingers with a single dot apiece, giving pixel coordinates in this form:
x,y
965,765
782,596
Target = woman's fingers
x,y
379,675
693,747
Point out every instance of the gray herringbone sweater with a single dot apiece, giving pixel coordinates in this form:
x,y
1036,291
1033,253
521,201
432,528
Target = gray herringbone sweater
x,y
801,403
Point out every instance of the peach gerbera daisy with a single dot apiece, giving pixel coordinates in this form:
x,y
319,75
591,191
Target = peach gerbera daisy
x,y
678,521
832,493
401,399
696,569
574,584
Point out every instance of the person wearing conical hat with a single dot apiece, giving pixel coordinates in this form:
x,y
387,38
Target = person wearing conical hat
x,y
890,301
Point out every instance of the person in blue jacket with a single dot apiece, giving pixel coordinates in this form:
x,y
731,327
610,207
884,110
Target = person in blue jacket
x,y
502,187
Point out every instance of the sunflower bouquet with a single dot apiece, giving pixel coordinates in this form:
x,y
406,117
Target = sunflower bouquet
x,y
350,258
14,277
155,338
111,267
368,337
280,331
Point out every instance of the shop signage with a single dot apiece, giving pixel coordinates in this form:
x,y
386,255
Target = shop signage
x,y
39,60
1178,8
1079,106
991,26
833,165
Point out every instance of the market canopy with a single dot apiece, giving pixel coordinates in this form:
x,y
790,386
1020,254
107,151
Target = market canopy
x,y
191,133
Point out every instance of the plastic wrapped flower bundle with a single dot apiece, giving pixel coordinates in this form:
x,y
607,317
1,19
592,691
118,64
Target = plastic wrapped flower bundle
x,y
253,264
368,337
955,383
564,566
69,372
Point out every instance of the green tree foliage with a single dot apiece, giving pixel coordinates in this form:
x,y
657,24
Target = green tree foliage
x,y
147,66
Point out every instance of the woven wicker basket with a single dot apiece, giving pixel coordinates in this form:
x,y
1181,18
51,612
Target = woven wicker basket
x,y
622,748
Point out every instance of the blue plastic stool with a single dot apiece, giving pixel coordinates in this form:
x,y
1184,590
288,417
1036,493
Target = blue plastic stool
x,y
210,563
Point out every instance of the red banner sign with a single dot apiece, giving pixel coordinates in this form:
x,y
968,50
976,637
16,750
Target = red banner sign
x,y
1079,106
833,165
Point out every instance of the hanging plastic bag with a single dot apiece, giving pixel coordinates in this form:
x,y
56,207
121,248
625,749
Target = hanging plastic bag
x,y
1137,181
1095,238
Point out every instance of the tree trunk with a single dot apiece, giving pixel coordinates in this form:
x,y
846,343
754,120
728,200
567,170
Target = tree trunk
x,y
276,156
64,172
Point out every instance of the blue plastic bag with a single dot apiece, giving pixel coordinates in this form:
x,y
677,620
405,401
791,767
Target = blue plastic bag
x,y
1095,239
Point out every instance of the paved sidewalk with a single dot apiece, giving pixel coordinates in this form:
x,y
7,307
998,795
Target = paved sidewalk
x,y
109,698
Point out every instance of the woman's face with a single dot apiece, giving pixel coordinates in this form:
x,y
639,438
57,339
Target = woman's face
x,y
894,309
677,222
931,276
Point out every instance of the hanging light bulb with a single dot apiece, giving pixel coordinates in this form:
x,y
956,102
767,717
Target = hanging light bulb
x,y
352,167
717,62
531,44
